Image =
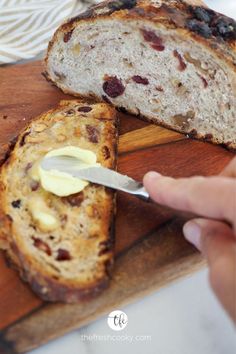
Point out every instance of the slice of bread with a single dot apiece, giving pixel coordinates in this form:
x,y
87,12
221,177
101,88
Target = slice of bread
x,y
70,256
169,62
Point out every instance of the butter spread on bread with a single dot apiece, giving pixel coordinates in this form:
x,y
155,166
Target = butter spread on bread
x,y
61,183
62,246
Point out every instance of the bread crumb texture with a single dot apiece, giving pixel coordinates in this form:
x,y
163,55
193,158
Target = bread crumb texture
x,y
61,245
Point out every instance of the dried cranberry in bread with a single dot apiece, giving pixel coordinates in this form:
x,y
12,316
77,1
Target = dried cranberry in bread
x,y
168,61
71,259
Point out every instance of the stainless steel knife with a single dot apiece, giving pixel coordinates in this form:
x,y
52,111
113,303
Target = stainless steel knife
x,y
100,175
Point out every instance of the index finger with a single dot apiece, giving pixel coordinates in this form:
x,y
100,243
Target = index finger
x,y
212,197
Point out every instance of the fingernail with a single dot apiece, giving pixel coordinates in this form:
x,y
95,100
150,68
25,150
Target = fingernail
x,y
152,175
192,233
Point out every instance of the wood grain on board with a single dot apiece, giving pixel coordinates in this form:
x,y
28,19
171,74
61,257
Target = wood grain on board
x,y
150,250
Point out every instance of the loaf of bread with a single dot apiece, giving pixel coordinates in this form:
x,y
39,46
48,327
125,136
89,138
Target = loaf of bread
x,y
62,246
168,62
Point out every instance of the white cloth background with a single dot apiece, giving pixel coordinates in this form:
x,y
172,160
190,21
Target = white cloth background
x,y
26,26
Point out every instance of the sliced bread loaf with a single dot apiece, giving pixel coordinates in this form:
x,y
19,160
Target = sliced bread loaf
x,y
167,61
62,246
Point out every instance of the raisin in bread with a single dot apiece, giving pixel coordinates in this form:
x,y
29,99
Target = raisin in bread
x,y
167,61
69,258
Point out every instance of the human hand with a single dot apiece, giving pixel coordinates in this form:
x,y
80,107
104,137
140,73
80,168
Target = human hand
x,y
213,198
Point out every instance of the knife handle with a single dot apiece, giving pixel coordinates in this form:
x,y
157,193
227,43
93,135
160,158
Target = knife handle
x,y
141,193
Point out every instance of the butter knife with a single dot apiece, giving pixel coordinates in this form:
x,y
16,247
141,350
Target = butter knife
x,y
99,175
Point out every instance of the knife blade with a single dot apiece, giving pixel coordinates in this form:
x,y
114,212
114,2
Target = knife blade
x,y
95,174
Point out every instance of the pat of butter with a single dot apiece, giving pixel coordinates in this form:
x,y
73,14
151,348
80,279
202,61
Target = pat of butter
x,y
60,183
34,171
42,214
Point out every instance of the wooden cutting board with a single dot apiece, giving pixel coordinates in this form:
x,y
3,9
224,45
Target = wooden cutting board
x,y
150,250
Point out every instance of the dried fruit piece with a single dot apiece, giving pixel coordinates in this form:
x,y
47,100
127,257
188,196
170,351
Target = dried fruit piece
x,y
106,152
224,27
105,246
202,14
208,137
63,255
70,112
34,186
121,4
151,36
16,203
198,64
93,134
160,48
182,64
179,87
75,199
67,36
43,246
205,83
113,87
206,22
76,48
199,27
183,119
84,109
182,90
159,88
140,80
156,41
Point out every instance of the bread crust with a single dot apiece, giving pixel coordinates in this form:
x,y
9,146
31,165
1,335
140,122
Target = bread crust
x,y
174,14
41,282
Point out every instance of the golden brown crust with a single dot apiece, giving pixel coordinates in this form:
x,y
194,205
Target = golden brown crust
x,y
57,290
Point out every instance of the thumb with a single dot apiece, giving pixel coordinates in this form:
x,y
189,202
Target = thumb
x,y
217,242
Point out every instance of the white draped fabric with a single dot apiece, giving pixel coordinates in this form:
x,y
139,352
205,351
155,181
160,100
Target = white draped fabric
x,y
26,26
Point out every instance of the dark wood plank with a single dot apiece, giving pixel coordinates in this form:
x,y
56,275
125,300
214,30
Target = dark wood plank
x,y
150,251
160,258
16,299
177,159
24,94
